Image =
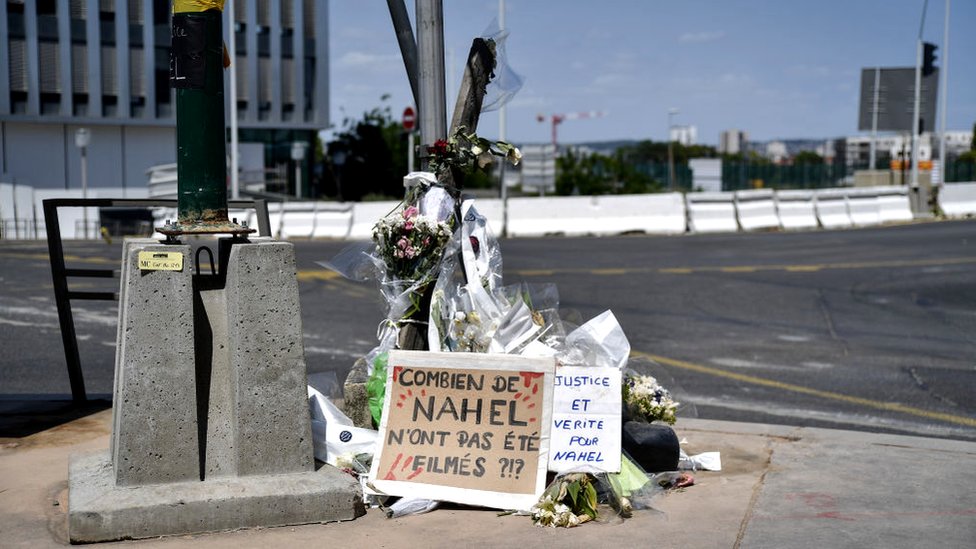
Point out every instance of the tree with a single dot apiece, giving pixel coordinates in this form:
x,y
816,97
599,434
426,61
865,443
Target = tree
x,y
368,157
807,157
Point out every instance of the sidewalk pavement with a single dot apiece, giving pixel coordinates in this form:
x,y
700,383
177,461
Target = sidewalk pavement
x,y
780,487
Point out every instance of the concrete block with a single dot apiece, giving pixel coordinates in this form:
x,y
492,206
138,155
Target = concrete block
x,y
272,427
154,436
98,510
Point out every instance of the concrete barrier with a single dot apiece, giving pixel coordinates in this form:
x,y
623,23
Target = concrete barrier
x,y
756,209
831,207
596,215
711,212
795,209
863,206
310,219
958,199
893,204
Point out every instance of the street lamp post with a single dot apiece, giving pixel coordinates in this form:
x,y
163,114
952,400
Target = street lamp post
x,y
671,112
82,140
298,155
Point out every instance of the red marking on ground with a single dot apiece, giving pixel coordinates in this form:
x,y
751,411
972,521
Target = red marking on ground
x,y
396,372
535,389
410,392
527,397
389,476
818,500
407,463
517,396
527,377
415,473
399,405
423,392
531,420
530,406
403,396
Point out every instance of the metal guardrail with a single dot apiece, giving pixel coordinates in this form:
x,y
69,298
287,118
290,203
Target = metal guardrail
x,y
60,273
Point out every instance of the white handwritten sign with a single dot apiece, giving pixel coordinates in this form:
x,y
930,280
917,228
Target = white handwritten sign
x,y
586,420
465,427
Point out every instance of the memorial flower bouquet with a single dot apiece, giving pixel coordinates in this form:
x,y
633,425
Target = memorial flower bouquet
x,y
410,246
646,400
466,150
569,501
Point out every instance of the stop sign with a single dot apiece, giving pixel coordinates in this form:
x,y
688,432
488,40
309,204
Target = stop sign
x,y
409,118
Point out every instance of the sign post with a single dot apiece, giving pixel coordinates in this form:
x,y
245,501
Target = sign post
x,y
468,428
409,122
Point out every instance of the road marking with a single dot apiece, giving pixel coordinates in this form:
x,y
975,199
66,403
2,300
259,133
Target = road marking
x,y
755,380
316,274
810,268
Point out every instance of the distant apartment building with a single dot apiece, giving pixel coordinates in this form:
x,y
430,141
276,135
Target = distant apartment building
x,y
776,151
732,141
686,135
104,65
892,147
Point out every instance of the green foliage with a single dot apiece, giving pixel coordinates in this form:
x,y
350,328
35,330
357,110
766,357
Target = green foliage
x,y
807,157
371,154
596,174
376,387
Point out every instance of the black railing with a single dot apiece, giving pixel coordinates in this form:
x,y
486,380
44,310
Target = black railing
x,y
59,273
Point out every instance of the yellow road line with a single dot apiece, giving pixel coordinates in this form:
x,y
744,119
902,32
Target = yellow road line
x,y
317,274
877,404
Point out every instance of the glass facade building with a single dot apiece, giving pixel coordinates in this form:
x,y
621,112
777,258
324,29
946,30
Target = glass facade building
x,y
104,65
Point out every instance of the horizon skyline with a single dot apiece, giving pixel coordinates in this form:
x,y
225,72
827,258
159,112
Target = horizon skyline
x,y
775,72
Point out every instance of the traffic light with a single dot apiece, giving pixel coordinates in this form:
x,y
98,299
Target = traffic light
x,y
928,58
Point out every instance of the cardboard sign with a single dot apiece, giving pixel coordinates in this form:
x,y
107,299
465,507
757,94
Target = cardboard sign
x,y
586,420
463,427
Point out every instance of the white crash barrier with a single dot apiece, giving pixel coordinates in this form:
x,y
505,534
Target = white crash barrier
x,y
831,206
366,214
665,213
756,209
540,216
596,215
310,219
711,212
795,209
958,199
863,206
893,204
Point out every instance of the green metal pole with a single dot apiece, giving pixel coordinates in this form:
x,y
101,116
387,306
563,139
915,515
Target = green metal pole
x,y
196,72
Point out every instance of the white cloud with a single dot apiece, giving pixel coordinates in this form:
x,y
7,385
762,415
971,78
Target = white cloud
x,y
700,37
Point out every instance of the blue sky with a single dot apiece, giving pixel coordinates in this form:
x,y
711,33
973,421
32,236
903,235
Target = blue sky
x,y
775,69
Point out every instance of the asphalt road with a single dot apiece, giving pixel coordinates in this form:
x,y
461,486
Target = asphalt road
x,y
867,329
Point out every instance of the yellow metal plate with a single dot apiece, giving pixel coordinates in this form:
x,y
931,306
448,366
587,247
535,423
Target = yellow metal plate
x,y
161,261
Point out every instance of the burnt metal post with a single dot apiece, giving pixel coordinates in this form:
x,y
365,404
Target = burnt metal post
x,y
196,72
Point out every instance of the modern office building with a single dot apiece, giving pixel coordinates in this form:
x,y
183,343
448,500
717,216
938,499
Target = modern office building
x,y
732,141
104,65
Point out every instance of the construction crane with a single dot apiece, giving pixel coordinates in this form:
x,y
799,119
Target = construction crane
x,y
557,119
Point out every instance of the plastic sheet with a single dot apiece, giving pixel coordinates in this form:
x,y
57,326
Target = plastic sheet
x,y
334,438
506,82
599,342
